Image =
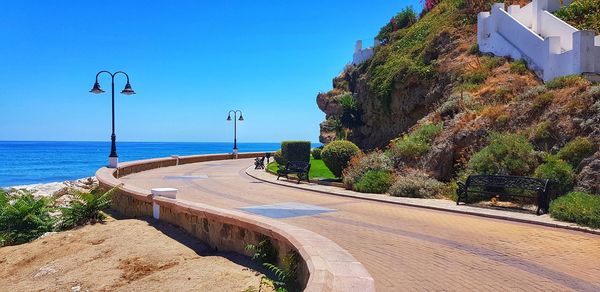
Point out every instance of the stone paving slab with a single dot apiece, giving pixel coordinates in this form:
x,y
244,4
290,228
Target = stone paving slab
x,y
435,204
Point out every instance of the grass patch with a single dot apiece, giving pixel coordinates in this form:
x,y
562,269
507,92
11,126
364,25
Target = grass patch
x,y
518,67
317,169
577,207
565,81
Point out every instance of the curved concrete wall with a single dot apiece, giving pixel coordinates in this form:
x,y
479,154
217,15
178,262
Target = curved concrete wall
x,y
324,266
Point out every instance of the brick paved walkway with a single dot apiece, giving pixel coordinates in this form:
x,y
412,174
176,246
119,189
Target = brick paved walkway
x,y
407,248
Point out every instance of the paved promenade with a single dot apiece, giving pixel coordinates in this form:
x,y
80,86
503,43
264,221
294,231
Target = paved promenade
x,y
404,248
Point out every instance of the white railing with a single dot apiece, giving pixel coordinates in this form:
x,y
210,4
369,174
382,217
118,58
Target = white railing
x,y
551,47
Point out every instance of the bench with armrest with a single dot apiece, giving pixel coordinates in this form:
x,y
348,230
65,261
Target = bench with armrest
x,y
259,163
300,168
505,186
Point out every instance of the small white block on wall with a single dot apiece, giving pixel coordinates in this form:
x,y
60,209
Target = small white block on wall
x,y
155,211
170,193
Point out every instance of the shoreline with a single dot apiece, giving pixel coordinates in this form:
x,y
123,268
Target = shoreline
x,y
49,189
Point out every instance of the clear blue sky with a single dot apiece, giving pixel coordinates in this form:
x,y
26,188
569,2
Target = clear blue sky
x,y
189,62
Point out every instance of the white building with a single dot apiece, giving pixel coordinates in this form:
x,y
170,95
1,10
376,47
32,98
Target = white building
x,y
551,47
360,54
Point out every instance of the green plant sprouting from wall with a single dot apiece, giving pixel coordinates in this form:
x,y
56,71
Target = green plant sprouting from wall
x,y
266,254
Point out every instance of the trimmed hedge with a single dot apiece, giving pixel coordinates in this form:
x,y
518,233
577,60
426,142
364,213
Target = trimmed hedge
x,y
316,153
296,150
337,154
279,158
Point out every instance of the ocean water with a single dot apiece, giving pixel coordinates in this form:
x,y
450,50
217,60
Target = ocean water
x,y
42,162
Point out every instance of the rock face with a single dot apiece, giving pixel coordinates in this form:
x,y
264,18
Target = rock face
x,y
380,122
588,179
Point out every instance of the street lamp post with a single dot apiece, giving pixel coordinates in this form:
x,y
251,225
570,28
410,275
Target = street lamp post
x,y
235,119
113,158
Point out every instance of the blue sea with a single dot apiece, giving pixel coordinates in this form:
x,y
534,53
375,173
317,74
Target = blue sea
x,y
30,162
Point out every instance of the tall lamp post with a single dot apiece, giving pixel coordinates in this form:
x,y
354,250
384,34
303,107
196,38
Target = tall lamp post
x,y
113,158
235,119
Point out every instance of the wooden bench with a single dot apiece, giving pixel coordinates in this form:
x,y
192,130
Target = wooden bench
x,y
300,168
259,163
505,186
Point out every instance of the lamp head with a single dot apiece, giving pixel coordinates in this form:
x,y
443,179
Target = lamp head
x,y
128,90
96,89
229,117
241,118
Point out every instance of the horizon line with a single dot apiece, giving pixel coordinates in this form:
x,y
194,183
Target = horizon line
x,y
108,141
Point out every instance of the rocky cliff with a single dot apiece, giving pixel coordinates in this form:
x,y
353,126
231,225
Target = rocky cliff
x,y
431,71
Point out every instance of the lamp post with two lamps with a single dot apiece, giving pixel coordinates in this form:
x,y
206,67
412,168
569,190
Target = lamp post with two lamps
x,y
235,119
113,158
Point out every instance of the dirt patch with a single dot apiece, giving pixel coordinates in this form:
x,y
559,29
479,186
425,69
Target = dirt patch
x,y
124,255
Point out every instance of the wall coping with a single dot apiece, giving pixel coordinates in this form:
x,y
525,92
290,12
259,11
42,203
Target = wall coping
x,y
330,267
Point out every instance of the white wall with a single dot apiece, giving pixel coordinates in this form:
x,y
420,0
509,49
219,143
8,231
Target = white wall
x,y
360,54
551,47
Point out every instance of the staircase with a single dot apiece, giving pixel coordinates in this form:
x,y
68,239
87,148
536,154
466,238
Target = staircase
x,y
550,46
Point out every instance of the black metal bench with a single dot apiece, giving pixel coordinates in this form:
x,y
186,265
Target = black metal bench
x,y
259,163
504,186
300,168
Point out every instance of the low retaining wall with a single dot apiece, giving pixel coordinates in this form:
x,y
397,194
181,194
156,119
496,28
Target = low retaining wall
x,y
323,265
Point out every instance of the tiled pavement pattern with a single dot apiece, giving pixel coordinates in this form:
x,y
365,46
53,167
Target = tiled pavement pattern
x,y
406,248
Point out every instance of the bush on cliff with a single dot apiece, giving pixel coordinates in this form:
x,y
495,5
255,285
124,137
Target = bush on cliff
x,y
583,14
575,151
361,164
414,145
416,185
506,154
337,154
374,181
558,172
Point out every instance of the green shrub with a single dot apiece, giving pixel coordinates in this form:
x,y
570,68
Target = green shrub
x,y
489,63
24,219
416,185
577,207
582,14
279,158
475,77
518,67
575,151
474,49
543,100
296,150
565,81
374,181
86,208
542,131
502,119
360,164
337,154
416,144
403,19
506,154
316,153
558,172
350,112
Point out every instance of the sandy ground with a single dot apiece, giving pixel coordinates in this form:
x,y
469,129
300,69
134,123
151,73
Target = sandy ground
x,y
123,255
